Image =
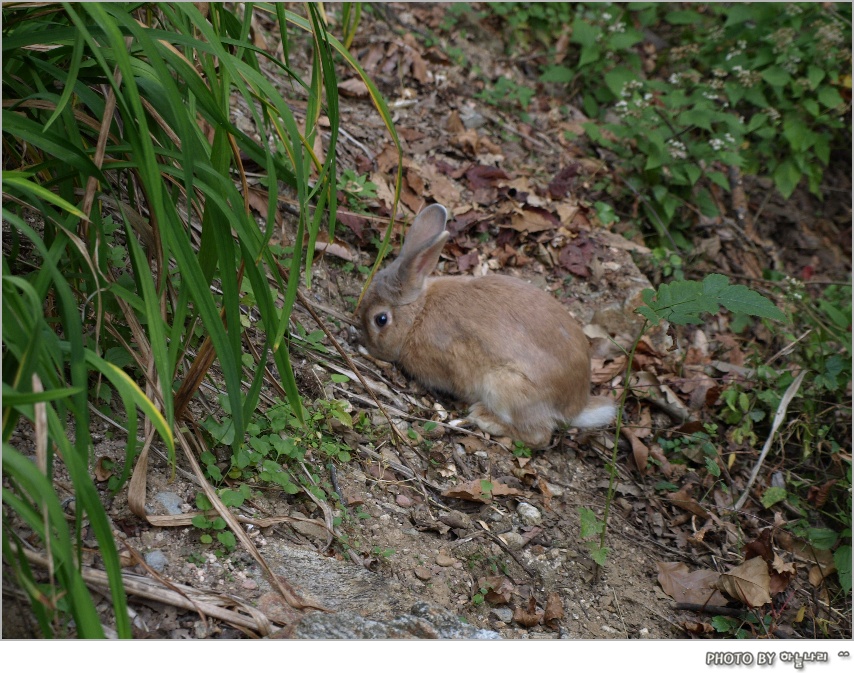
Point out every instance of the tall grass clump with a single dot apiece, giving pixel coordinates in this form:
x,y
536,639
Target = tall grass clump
x,y
129,241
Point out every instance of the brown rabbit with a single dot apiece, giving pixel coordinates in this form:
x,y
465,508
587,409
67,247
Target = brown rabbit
x,y
498,343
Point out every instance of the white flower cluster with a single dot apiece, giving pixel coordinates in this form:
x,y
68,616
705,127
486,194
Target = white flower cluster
x,y
677,149
830,33
718,144
746,77
741,45
795,288
791,64
628,87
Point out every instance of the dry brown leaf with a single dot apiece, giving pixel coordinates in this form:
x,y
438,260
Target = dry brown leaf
x,y
385,195
782,574
687,586
387,158
413,200
530,617
490,147
561,183
554,607
353,87
698,628
761,546
818,573
543,485
454,125
603,370
664,465
683,499
749,583
480,490
639,450
530,221
643,427
481,175
499,589
440,187
468,141
103,468
419,68
335,249
259,201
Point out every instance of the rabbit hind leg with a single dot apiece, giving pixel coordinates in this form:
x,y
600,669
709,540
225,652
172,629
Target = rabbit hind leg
x,y
510,407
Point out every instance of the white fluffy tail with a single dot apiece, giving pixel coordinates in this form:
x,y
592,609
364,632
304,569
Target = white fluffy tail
x,y
599,411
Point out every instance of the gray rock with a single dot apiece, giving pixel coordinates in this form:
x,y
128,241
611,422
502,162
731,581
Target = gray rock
x,y
503,614
362,604
156,559
171,502
424,621
528,514
513,540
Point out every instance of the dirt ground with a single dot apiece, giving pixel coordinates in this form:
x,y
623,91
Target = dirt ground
x,y
515,565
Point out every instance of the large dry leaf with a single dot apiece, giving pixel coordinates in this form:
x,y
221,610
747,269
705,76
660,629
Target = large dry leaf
x,y
530,617
639,450
782,574
440,187
499,589
749,583
683,499
761,546
685,586
479,490
353,87
602,372
554,607
560,185
485,176
531,221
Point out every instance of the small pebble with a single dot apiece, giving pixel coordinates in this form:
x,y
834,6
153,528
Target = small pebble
x,y
445,561
403,501
513,540
528,514
422,573
503,614
249,585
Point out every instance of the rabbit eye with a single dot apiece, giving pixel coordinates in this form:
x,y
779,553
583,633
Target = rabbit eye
x,y
381,319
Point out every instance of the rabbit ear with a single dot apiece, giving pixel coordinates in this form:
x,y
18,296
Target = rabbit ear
x,y
429,223
421,249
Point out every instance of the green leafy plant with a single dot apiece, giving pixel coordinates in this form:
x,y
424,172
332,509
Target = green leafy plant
x,y
818,342
479,596
697,448
760,87
505,92
280,446
125,201
358,189
211,525
679,303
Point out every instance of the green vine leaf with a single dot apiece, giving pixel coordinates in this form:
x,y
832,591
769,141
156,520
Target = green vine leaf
x,y
683,302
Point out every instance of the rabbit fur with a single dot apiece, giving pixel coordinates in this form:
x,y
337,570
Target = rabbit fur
x,y
505,347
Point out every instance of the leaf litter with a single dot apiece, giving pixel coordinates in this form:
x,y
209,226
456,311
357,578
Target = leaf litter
x,y
524,210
